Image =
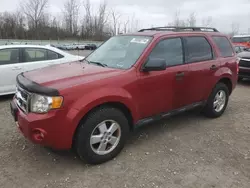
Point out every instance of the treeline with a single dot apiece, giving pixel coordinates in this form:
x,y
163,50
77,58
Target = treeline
x,y
33,21
78,20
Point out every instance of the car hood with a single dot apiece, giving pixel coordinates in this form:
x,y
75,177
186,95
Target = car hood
x,y
69,74
244,55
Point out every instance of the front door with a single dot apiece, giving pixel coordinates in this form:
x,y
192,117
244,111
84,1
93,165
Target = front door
x,y
9,69
163,91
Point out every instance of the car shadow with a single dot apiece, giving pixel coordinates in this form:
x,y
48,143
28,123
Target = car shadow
x,y
244,82
6,97
156,129
166,125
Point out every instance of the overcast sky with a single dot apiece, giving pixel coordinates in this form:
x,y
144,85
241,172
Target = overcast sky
x,y
161,12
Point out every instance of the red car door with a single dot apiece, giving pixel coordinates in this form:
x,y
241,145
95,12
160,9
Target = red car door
x,y
163,91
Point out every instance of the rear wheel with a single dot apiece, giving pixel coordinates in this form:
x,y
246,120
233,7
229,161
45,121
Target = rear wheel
x,y
217,101
102,136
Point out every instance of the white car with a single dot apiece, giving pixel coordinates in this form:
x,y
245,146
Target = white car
x,y
15,59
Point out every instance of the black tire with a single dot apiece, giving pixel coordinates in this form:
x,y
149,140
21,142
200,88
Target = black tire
x,y
82,143
240,79
209,110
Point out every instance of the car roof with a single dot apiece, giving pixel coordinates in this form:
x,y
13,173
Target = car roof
x,y
164,33
34,46
239,45
177,31
236,36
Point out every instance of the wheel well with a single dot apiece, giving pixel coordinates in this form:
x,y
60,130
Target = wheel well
x,y
117,105
228,83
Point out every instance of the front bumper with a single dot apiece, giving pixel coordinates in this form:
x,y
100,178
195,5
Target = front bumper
x,y
244,72
54,129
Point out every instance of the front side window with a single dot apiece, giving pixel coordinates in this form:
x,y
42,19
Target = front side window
x,y
224,46
170,50
197,49
34,54
9,56
120,52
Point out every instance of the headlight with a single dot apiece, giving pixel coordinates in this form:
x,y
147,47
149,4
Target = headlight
x,y
42,104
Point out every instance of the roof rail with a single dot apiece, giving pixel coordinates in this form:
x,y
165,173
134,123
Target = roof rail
x,y
178,29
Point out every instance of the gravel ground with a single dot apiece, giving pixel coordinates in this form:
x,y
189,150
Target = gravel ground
x,y
187,150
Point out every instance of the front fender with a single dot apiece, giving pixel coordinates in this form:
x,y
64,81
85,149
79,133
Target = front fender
x,y
104,95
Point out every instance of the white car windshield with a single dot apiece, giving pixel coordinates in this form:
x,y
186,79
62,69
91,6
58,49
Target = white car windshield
x,y
120,52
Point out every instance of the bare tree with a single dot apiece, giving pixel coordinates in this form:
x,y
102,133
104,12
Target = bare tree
x,y
134,24
207,22
177,22
34,10
235,28
115,16
32,21
191,21
125,26
102,19
87,19
71,15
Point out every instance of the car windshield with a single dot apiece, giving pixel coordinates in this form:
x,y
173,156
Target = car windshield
x,y
240,39
119,52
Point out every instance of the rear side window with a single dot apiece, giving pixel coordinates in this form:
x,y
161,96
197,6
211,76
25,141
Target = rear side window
x,y
224,46
197,49
34,54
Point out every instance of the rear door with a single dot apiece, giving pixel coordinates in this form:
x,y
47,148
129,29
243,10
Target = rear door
x,y
34,58
9,69
200,57
162,91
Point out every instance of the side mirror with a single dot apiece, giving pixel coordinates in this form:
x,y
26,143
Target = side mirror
x,y
154,64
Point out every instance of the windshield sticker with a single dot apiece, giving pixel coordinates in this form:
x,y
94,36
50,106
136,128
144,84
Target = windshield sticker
x,y
119,65
139,40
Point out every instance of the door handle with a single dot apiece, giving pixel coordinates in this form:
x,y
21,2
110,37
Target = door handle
x,y
180,74
213,67
16,68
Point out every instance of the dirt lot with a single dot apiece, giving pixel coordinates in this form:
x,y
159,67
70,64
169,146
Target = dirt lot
x,y
188,151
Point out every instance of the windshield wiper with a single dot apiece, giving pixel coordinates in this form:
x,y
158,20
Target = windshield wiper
x,y
84,60
98,63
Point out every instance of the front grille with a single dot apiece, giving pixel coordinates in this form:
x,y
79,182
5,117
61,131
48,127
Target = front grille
x,y
244,63
22,99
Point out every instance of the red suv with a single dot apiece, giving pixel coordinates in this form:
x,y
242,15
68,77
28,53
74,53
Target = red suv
x,y
130,80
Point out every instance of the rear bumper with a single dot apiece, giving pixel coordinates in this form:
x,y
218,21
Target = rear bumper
x,y
54,129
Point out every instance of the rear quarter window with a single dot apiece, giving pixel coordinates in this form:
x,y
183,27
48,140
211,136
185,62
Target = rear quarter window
x,y
53,55
224,46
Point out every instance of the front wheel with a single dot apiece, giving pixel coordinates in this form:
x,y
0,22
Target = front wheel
x,y
102,136
217,101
